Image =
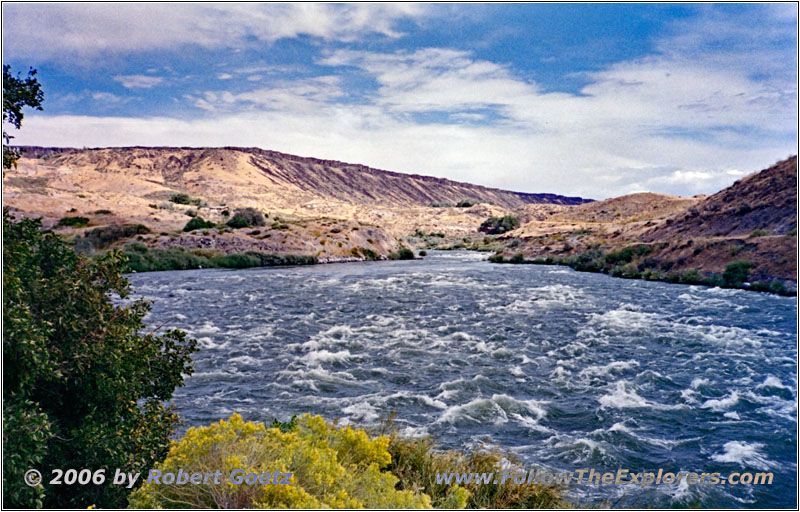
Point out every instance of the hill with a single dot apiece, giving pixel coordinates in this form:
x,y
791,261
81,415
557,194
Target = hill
x,y
304,198
752,223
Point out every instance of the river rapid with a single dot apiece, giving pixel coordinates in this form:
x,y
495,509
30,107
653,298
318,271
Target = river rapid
x,y
568,370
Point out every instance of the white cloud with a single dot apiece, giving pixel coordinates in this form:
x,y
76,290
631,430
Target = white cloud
x,y
138,81
676,121
224,76
35,31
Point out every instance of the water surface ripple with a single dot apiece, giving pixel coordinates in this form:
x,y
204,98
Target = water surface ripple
x,y
569,370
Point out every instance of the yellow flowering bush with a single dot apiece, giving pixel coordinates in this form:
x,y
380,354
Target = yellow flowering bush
x,y
331,468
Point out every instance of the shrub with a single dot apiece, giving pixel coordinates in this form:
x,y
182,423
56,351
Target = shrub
x,y
517,258
184,199
247,217
497,258
423,253
73,222
75,391
736,273
465,203
404,253
760,232
102,212
627,254
330,468
417,461
104,236
499,225
198,223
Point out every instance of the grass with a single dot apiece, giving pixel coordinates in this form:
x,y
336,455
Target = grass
x,y
417,461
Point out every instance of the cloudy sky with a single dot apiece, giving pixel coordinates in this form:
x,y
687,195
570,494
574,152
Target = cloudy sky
x,y
595,100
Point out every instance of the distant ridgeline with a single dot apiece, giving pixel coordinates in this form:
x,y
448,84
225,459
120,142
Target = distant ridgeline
x,y
340,180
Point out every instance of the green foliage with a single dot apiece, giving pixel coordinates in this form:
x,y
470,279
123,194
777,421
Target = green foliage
x,y
285,426
102,237
102,212
465,203
363,252
182,198
73,222
792,232
497,258
627,254
760,232
404,253
26,432
76,392
331,468
441,204
499,225
736,272
247,217
18,93
198,223
144,259
518,258
423,253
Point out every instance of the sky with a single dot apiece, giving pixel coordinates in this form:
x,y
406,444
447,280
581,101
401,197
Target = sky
x,y
593,100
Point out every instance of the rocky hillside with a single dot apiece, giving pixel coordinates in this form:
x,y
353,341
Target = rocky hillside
x,y
752,223
764,202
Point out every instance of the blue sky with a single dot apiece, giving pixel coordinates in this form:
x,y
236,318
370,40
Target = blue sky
x,y
595,100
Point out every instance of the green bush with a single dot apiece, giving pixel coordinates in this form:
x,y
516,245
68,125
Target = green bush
x,y
198,223
497,258
247,217
518,258
499,225
404,253
736,273
75,391
627,254
760,232
73,222
184,199
330,468
465,203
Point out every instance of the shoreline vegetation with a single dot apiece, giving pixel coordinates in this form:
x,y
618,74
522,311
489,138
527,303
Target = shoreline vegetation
x,y
621,263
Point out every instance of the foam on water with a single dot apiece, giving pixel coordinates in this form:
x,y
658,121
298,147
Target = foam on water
x,y
745,455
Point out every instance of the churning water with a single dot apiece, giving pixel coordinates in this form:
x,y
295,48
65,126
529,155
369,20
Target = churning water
x,y
568,370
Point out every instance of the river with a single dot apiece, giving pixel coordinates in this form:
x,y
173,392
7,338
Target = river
x,y
568,370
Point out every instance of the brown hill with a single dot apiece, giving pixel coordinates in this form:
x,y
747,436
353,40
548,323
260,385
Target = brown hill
x,y
764,201
300,177
303,197
754,221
